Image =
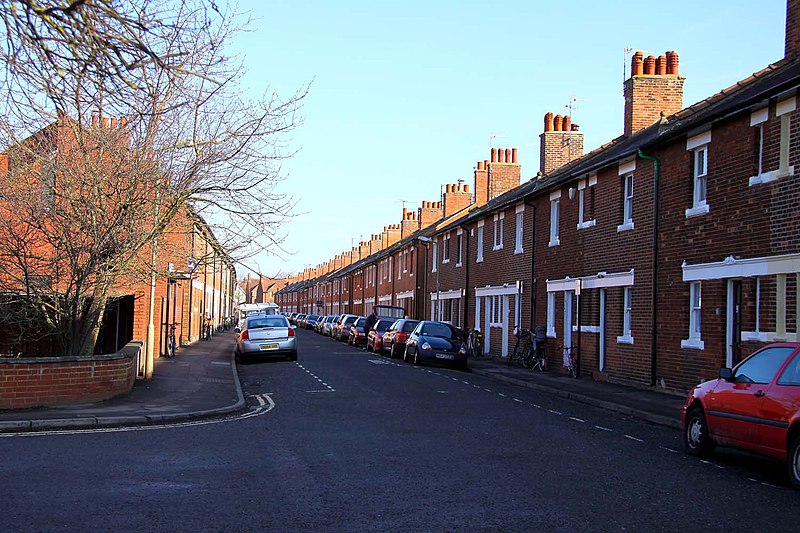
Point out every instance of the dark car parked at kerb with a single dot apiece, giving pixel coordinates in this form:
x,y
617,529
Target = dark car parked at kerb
x,y
376,334
438,343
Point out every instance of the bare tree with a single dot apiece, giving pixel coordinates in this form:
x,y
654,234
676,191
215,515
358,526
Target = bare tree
x,y
118,115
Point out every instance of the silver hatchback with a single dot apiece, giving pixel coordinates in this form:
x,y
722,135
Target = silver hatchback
x,y
266,336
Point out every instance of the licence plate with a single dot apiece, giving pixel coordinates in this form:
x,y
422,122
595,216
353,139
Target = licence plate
x,y
445,356
269,346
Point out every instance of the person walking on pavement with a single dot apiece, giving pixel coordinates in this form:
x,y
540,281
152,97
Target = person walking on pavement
x,y
372,319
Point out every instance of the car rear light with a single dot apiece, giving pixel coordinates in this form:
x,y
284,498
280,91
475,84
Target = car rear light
x,y
245,335
291,332
401,336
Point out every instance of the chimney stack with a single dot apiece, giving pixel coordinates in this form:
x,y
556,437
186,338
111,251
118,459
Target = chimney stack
x,y
655,86
559,144
456,198
429,213
792,47
409,224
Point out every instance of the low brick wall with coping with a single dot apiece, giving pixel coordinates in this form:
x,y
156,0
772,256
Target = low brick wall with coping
x,y
51,381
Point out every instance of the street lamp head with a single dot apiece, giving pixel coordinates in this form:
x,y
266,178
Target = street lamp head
x,y
424,239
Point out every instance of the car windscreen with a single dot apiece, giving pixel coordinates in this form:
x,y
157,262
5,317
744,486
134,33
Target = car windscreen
x,y
270,321
409,326
442,331
383,325
360,322
349,320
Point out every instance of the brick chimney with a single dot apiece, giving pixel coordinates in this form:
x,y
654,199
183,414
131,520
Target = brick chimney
x,y
482,182
375,242
792,29
456,198
429,213
560,143
503,172
409,224
655,86
390,235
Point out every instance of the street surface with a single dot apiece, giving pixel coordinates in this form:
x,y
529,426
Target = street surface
x,y
345,440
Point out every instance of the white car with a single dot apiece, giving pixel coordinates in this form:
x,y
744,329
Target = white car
x,y
266,336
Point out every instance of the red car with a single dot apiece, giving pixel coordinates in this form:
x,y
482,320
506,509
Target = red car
x,y
754,406
394,340
376,334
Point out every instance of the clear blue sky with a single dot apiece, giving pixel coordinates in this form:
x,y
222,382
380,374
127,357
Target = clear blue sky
x,y
406,95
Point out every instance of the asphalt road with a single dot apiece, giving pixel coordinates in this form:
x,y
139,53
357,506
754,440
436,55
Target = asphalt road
x,y
343,440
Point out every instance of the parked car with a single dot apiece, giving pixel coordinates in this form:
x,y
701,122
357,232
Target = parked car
x,y
265,336
394,340
310,321
375,335
754,406
318,324
342,329
298,319
356,336
436,342
327,326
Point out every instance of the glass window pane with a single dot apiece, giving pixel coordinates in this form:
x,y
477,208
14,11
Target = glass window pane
x,y
761,367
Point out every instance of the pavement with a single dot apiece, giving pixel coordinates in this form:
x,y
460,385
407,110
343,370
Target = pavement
x,y
201,381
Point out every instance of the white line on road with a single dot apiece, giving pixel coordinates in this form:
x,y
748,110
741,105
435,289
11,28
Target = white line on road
x,y
577,419
517,400
601,428
633,438
555,412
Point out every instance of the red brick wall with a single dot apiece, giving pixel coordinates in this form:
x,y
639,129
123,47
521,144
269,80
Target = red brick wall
x,y
792,28
647,96
46,382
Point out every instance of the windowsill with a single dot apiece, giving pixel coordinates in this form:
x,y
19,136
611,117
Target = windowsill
x,y
694,344
458,265
551,333
625,339
696,211
479,260
445,261
770,176
587,224
555,243
497,247
519,251
625,227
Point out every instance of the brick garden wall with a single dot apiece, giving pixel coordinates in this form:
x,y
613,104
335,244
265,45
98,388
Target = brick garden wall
x,y
53,381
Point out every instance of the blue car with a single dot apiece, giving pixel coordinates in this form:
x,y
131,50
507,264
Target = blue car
x,y
438,343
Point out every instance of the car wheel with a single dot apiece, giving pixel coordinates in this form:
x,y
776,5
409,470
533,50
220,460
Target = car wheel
x,y
405,355
392,353
292,356
794,463
695,435
416,358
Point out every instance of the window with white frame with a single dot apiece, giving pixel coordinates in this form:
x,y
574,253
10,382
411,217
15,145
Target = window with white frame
x,y
404,263
460,246
555,213
695,308
496,304
446,248
520,220
627,203
698,146
627,305
411,255
758,119
498,231
435,253
551,314
391,261
586,202
480,242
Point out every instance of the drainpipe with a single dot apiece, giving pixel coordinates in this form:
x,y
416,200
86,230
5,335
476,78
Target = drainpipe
x,y
533,266
654,312
465,265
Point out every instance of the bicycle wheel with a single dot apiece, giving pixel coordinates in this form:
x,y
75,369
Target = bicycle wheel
x,y
515,355
573,366
527,356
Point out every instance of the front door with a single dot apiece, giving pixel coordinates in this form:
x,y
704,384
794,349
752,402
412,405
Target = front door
x,y
567,327
734,323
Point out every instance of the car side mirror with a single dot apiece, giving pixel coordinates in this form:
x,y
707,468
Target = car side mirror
x,y
237,329
726,373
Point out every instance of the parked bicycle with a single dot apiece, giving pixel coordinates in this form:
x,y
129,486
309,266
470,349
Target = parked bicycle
x,y
538,356
172,345
571,362
523,349
474,343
